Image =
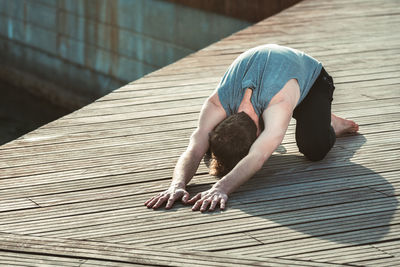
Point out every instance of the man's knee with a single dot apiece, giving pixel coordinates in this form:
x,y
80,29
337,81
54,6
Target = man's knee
x,y
315,153
316,147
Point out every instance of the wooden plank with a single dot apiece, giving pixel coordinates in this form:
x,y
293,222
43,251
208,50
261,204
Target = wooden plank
x,y
129,254
214,241
357,255
143,148
300,164
9,258
16,204
140,162
189,127
116,219
127,199
292,164
315,245
275,181
18,152
186,128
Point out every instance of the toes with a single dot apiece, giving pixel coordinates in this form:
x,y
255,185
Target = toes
x,y
354,128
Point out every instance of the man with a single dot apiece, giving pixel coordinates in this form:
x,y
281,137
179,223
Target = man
x,y
246,118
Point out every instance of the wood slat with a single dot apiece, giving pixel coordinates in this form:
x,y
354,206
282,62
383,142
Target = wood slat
x,y
119,253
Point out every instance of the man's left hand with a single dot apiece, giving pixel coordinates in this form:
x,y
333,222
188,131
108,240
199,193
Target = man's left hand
x,y
209,198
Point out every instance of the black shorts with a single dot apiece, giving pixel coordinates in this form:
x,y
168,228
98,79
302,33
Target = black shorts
x,y
314,133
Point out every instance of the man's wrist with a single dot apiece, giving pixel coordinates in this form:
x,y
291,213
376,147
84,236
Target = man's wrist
x,y
223,186
178,185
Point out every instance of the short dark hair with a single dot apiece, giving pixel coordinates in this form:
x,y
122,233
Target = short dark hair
x,y
230,141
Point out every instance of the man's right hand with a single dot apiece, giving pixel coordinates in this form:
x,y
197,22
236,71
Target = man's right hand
x,y
170,196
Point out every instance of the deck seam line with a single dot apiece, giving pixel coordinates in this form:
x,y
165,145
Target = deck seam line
x,y
34,202
383,251
378,191
349,246
250,235
314,261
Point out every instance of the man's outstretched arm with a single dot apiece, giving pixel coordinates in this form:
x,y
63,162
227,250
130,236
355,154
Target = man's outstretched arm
x,y
277,118
211,114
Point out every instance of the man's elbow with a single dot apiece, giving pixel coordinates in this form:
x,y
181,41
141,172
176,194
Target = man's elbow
x,y
262,153
195,152
197,145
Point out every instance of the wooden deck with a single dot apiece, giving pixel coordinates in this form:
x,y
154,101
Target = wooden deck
x,y
72,192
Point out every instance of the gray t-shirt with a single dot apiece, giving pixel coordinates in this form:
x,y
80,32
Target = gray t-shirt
x,y
266,69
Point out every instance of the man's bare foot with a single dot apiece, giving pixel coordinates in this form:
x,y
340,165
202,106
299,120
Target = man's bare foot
x,y
343,126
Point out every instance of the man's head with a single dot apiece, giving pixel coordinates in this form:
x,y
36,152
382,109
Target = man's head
x,y
230,141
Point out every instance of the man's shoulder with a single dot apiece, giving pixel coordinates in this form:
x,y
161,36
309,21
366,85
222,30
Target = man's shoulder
x,y
214,100
289,95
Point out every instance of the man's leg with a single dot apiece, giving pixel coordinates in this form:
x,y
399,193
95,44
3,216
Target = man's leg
x,y
316,127
315,135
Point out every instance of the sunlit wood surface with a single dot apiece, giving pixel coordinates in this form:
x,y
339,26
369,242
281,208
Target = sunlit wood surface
x,y
72,192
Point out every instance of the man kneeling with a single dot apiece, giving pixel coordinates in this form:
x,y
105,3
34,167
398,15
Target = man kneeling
x,y
246,118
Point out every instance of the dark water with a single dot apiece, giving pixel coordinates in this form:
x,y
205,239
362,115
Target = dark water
x,y
22,112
